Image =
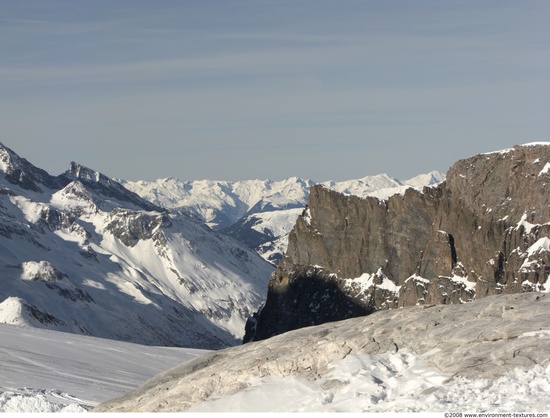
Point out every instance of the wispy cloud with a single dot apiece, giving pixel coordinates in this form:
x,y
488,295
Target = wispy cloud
x,y
252,74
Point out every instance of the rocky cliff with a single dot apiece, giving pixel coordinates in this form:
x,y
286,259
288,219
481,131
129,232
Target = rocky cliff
x,y
484,231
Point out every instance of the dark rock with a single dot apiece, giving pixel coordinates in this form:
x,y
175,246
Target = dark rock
x,y
481,232
42,317
20,172
131,227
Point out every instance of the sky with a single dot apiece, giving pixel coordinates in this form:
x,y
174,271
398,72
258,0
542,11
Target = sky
x,y
235,90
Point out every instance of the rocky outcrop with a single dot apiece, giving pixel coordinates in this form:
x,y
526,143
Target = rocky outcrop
x,y
131,227
484,231
485,339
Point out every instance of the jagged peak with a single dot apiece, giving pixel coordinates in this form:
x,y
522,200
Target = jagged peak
x,y
20,172
170,179
77,171
5,158
9,160
106,186
295,179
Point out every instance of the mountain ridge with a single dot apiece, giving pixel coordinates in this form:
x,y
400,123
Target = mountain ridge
x,y
82,242
80,253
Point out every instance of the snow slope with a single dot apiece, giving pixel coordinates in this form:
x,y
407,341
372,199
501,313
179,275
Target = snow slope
x,y
486,356
80,253
50,371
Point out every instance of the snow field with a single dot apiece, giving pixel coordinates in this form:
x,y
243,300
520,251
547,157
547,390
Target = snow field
x,y
50,371
39,400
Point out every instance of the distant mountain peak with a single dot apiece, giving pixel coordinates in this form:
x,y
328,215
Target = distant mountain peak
x,y
432,178
105,186
80,172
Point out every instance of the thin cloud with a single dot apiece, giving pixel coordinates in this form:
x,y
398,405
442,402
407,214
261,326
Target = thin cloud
x,y
247,75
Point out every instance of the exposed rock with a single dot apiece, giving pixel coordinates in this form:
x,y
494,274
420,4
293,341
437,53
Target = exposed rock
x,y
484,339
130,227
20,172
42,317
41,271
483,231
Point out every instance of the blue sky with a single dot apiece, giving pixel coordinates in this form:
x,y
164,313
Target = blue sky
x,y
232,90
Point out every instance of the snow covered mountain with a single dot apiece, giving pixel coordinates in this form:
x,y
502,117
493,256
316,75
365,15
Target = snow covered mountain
x,y
261,213
133,261
81,253
221,203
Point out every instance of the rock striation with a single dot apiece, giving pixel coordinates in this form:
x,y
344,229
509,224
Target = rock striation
x,y
484,231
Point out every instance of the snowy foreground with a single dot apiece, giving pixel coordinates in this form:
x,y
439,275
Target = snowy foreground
x,y
392,382
51,371
489,355
492,355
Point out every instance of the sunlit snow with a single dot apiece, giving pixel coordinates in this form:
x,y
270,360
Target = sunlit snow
x,y
391,382
50,371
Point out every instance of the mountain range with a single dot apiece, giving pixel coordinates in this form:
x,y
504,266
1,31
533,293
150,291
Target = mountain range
x,y
162,263
261,213
81,253
450,283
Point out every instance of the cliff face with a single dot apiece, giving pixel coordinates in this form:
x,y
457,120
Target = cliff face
x,y
484,231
